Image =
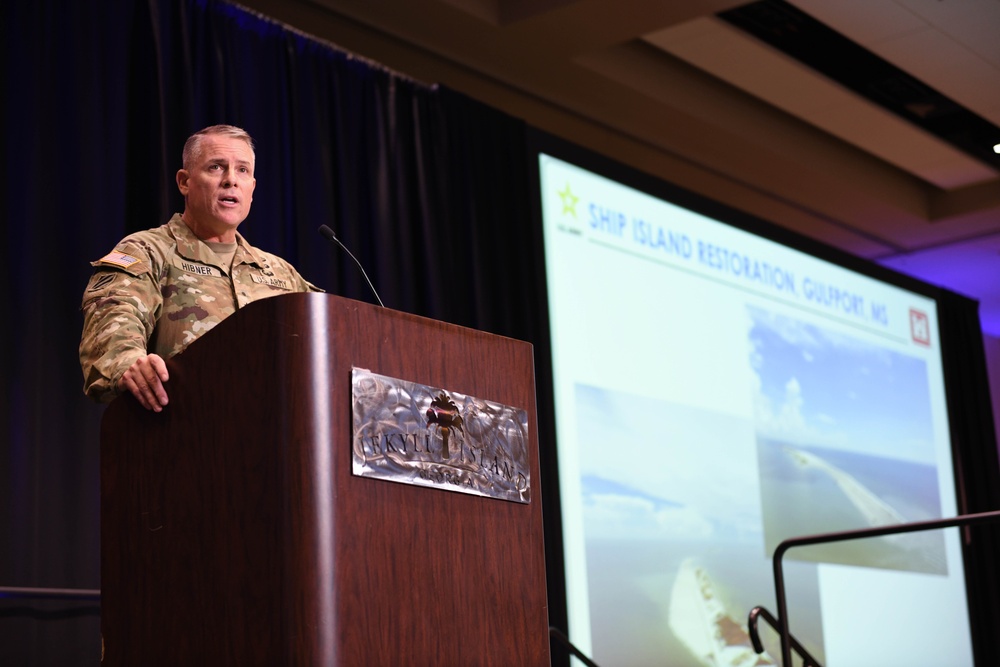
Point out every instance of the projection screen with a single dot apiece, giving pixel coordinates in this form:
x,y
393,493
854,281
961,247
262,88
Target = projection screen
x,y
717,392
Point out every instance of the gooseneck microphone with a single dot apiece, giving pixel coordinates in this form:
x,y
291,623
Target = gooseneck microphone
x,y
328,233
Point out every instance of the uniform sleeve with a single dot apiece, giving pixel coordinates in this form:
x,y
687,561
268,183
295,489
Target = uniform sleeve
x,y
299,283
121,304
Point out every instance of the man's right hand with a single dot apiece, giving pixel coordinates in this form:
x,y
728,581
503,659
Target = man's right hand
x,y
144,379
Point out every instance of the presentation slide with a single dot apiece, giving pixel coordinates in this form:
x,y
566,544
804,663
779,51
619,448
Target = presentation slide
x,y
716,393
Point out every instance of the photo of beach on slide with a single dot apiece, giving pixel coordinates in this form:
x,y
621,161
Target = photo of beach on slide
x,y
845,441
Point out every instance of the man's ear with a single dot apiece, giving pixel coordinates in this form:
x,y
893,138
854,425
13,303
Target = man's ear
x,y
182,181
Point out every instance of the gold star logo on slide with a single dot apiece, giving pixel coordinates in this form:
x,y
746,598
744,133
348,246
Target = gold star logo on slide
x,y
569,201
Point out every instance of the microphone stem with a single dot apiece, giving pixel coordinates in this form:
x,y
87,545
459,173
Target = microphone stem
x,y
328,233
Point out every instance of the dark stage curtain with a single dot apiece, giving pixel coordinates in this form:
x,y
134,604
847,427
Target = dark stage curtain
x,y
428,189
977,466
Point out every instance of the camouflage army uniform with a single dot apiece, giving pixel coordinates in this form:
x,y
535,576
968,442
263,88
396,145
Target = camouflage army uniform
x,y
161,289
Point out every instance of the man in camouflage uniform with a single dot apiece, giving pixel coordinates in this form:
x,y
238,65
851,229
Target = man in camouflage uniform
x,y
161,289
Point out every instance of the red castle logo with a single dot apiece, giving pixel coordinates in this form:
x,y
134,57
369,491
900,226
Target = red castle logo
x,y
920,328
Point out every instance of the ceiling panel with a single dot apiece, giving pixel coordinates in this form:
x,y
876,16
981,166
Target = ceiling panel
x,y
768,74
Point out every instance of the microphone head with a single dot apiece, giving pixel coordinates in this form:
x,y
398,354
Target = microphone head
x,y
327,232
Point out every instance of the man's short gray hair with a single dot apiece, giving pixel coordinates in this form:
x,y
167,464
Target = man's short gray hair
x,y
193,143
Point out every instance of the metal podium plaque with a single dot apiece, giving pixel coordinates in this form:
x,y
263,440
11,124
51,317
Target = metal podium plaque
x,y
427,436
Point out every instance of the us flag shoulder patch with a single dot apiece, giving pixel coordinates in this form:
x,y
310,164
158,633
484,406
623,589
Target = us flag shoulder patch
x,y
119,259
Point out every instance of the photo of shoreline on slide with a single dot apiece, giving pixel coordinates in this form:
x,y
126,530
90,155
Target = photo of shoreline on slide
x,y
844,442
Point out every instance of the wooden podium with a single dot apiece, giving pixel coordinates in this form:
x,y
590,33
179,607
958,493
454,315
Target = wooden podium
x,y
233,531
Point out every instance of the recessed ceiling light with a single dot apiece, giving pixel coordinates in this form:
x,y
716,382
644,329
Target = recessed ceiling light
x,y
996,148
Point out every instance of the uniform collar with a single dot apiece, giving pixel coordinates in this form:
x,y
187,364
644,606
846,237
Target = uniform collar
x,y
191,247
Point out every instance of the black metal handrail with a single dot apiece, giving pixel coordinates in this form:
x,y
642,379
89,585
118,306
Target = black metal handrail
x,y
83,594
791,543
561,637
758,646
